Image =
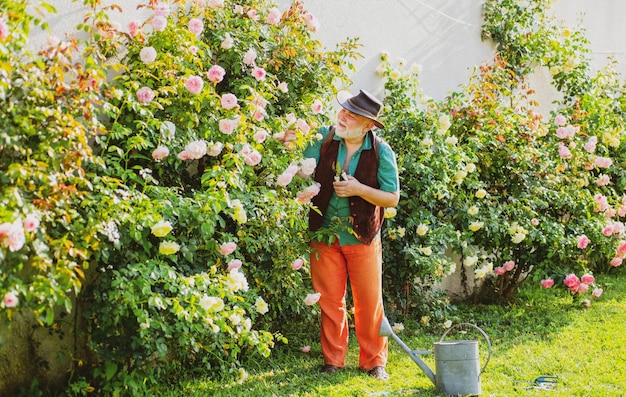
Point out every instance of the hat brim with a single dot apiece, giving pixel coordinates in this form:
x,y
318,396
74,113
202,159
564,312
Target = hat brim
x,y
342,98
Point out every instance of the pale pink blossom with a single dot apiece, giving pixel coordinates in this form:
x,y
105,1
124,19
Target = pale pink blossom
x,y
193,49
238,9
311,22
308,166
259,73
607,230
610,212
160,153
283,87
227,43
582,241
586,303
159,23
601,202
145,95
603,162
162,10
215,149
615,262
194,84
316,107
597,292
196,149
534,221
183,155
216,74
297,264
249,57
133,28
509,265
215,3
590,146
305,349
572,282
621,211
582,288
228,248
260,136
499,270
587,279
234,264
253,158
284,179
547,283
31,223
228,126
566,132
228,101
4,28
12,235
303,126
147,55
273,16
560,120
564,152
260,102
10,299
603,180
312,299
258,116
621,248
308,193
196,26
253,14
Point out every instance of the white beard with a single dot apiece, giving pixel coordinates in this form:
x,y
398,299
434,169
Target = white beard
x,y
349,133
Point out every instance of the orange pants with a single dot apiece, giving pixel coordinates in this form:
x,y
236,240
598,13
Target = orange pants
x,y
331,267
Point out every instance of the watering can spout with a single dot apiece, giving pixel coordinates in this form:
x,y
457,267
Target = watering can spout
x,y
386,330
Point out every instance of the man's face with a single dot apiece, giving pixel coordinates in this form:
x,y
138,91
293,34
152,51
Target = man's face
x,y
351,125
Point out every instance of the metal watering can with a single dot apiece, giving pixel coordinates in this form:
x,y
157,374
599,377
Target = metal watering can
x,y
456,362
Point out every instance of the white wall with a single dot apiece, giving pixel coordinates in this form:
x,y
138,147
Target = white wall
x,y
441,35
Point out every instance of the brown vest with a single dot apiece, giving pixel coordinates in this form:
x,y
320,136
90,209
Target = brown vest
x,y
367,218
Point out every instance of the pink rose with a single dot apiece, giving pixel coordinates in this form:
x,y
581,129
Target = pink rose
x,y
582,241
194,84
162,10
227,43
305,349
10,299
133,28
234,264
4,28
145,95
303,126
160,153
590,146
252,14
621,248
183,155
215,149
587,279
260,136
572,282
216,74
597,292
196,26
499,270
258,116
284,179
159,23
12,235
249,57
534,221
603,162
615,262
147,55
586,303
547,283
607,231
308,193
283,87
311,22
215,3
228,126
228,101
564,152
228,248
312,299
509,265
297,264
258,73
316,107
196,150
253,158
560,120
273,16
31,223
308,166
582,288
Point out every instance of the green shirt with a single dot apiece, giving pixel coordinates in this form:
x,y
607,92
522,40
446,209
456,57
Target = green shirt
x,y
339,207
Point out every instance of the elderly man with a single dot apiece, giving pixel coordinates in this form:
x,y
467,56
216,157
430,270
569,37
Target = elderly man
x,y
358,175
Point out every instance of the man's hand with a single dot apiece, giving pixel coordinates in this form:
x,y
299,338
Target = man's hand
x,y
289,139
347,187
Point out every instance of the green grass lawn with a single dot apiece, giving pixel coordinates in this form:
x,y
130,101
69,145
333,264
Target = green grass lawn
x,y
544,334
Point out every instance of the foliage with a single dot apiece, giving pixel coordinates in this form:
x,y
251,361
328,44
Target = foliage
x,y
208,231
49,103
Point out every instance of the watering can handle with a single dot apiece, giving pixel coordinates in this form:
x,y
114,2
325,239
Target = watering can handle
x,y
482,332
